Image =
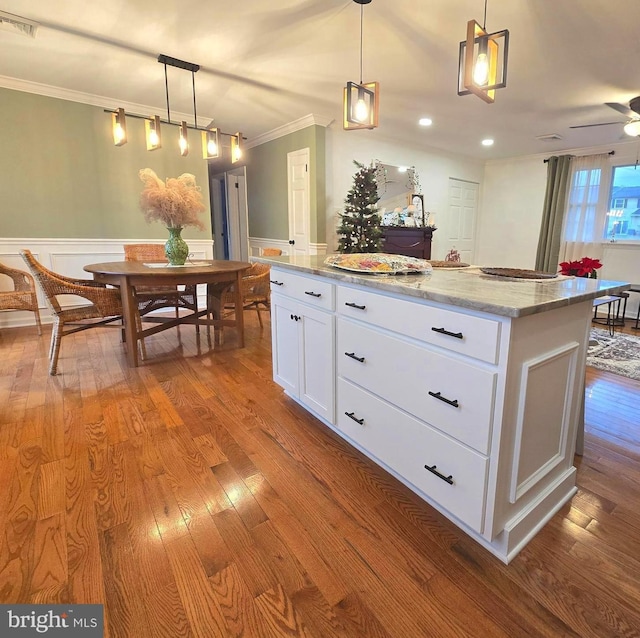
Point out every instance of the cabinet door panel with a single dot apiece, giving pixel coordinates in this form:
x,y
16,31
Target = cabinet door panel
x,y
317,367
285,346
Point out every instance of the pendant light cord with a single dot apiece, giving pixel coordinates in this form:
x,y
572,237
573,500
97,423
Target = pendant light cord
x,y
193,85
484,23
361,19
166,90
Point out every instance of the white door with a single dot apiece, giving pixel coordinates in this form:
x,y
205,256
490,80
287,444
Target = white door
x,y
299,201
459,228
237,215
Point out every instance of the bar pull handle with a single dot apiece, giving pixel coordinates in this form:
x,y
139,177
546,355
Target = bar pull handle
x,y
313,294
442,331
276,283
437,395
354,305
433,470
295,317
353,356
352,416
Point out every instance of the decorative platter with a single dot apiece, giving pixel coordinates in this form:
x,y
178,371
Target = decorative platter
x,y
378,263
448,264
519,273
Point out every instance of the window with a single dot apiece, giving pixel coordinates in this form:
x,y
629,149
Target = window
x,y
623,216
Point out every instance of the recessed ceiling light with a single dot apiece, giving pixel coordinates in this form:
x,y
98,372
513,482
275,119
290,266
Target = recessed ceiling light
x,y
425,121
487,142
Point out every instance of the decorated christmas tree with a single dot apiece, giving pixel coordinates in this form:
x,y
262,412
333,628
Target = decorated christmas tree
x,y
359,230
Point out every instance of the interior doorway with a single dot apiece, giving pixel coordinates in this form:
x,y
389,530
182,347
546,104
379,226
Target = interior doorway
x,y
229,215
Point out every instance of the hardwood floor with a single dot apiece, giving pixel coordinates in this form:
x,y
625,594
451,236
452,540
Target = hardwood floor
x,y
193,498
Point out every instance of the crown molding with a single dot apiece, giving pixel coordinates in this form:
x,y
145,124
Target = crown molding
x,y
291,127
623,149
26,86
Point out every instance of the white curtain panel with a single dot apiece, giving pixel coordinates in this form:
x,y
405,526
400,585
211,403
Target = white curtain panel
x,y
587,207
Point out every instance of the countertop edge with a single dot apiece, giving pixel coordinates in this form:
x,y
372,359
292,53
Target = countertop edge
x,y
441,297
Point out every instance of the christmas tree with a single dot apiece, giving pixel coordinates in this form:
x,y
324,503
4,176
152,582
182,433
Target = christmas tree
x,y
359,230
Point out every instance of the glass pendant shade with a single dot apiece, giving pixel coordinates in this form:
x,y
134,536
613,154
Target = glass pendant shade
x,y
360,105
482,64
183,141
119,127
152,133
210,144
236,148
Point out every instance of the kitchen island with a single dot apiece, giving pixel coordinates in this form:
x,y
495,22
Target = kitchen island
x,y
466,387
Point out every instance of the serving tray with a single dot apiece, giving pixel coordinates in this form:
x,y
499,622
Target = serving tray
x,y
519,273
378,263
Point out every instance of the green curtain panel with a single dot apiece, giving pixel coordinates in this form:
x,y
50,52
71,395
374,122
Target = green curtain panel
x,y
558,171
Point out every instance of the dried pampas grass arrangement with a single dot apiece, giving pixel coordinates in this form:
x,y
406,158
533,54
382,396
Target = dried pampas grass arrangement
x,y
176,203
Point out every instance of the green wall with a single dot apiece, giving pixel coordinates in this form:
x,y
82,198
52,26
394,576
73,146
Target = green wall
x,y
62,176
267,184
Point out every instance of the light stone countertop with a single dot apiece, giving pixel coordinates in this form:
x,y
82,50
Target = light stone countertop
x,y
468,289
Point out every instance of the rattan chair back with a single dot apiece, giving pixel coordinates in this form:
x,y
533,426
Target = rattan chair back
x,y
23,296
104,303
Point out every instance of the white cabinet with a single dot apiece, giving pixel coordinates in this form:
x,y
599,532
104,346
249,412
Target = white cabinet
x,y
303,345
475,412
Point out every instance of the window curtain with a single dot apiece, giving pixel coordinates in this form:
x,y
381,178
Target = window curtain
x,y
586,208
547,256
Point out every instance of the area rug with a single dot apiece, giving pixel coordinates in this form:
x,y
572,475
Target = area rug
x,y
619,354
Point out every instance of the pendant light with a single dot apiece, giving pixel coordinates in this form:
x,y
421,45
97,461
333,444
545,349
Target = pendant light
x,y
482,64
211,148
360,100
119,127
210,143
183,141
236,148
152,133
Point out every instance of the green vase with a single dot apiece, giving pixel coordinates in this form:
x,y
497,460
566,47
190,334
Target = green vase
x,y
176,248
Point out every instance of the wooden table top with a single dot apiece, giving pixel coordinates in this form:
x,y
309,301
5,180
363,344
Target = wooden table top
x,y
138,268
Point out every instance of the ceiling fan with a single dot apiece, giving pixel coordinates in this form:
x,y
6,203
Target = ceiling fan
x,y
632,127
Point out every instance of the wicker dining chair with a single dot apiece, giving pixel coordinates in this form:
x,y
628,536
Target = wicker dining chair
x,y
255,291
152,298
271,252
104,304
23,295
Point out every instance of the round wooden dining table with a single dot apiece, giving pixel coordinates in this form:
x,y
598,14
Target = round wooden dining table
x,y
219,275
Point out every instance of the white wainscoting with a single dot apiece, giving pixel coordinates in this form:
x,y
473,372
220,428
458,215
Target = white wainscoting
x,y
68,257
256,244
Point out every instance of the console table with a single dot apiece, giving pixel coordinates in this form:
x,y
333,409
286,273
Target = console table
x,y
407,240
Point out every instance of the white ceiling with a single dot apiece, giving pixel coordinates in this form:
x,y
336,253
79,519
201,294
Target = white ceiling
x,y
265,63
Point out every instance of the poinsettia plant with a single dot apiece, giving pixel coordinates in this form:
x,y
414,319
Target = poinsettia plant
x,y
585,267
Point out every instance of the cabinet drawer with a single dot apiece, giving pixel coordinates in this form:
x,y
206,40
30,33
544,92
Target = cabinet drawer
x,y
452,395
405,445
476,337
309,290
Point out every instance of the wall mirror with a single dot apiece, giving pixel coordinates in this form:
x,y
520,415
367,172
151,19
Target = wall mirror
x,y
401,203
